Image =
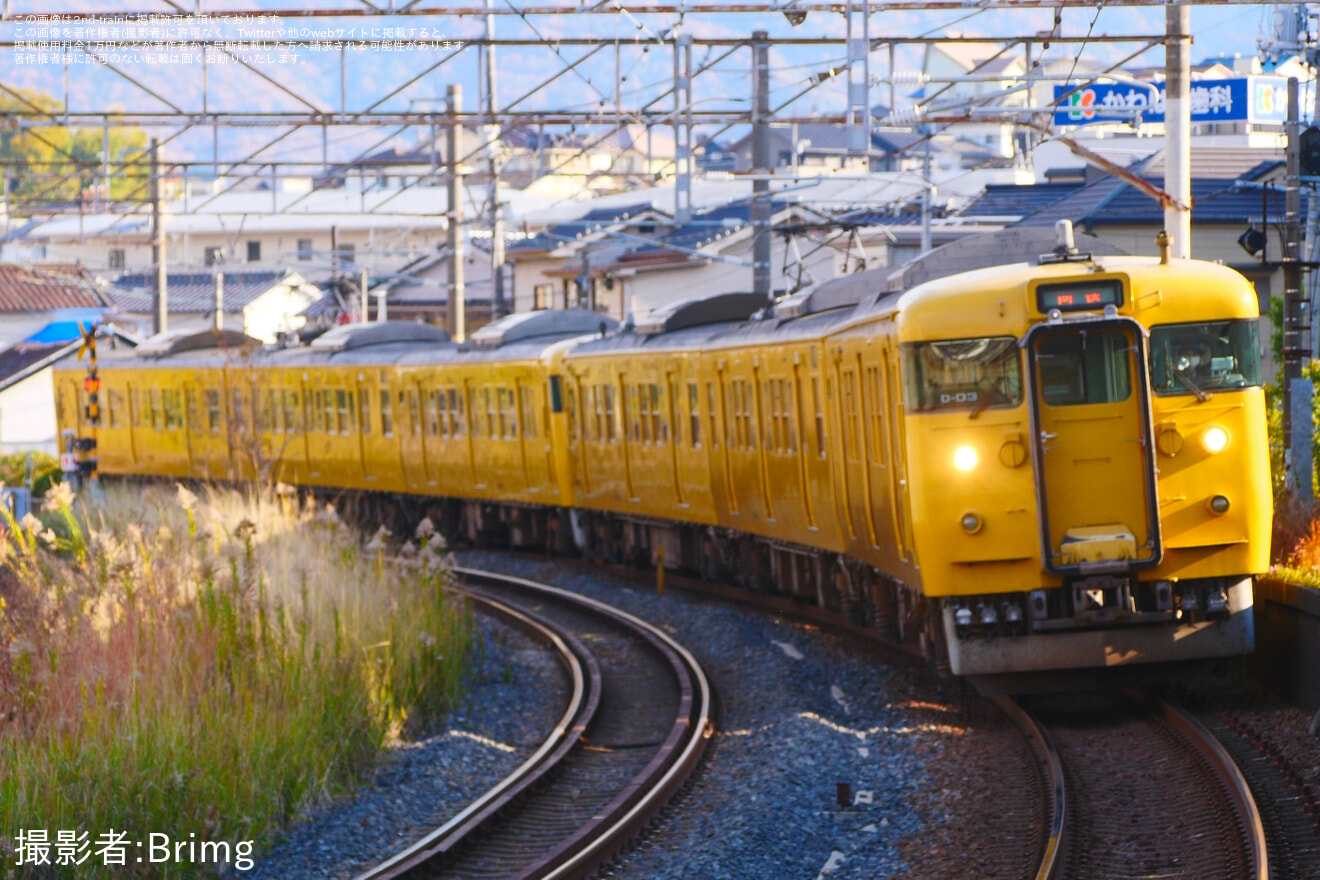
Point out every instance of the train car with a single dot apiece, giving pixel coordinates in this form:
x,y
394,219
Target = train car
x,y
1045,466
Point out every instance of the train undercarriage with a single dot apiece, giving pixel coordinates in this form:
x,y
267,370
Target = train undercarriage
x,y
1033,650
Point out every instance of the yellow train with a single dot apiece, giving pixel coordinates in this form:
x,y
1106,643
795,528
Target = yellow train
x,y
1034,467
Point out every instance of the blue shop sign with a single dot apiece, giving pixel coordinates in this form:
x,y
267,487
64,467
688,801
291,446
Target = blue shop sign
x,y
1240,99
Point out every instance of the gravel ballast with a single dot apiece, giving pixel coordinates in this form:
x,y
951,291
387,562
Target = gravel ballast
x,y
515,694
800,712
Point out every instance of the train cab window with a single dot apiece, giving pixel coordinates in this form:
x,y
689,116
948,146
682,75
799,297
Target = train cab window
x,y
694,415
962,374
1207,356
1085,367
386,414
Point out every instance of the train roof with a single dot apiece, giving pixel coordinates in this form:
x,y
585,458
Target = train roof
x,y
997,300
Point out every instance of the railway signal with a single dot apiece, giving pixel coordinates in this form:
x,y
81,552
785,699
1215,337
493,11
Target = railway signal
x,y
84,448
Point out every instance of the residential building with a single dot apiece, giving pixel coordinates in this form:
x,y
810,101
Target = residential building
x,y
264,305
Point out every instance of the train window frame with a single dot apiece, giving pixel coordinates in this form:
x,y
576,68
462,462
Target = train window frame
x,y
914,381
213,418
386,413
1100,384
1175,388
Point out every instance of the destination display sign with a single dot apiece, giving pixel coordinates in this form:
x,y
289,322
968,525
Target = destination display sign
x,y
1076,296
1237,99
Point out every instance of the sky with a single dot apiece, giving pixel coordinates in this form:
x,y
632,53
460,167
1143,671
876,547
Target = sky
x,y
644,65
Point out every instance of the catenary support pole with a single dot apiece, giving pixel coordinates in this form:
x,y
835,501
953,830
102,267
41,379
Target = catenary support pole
x,y
1297,418
1178,126
160,294
761,208
457,311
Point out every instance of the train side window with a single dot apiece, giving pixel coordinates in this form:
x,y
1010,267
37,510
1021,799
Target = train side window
x,y
522,405
694,415
876,390
571,403
610,423
490,413
114,403
212,399
437,415
774,439
414,413
456,401
712,415
787,394
364,411
659,425
153,397
597,417
289,403
386,414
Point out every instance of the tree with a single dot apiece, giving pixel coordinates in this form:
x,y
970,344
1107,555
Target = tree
x,y
58,163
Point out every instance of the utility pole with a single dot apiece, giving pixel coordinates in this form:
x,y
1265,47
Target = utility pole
x,y
161,289
1298,392
683,129
492,135
761,240
219,302
1178,126
457,312
926,193
362,295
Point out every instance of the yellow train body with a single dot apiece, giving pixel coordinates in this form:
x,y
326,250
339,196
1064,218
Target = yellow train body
x,y
1024,468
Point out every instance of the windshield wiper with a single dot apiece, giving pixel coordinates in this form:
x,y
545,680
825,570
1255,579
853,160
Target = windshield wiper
x,y
1201,396
984,400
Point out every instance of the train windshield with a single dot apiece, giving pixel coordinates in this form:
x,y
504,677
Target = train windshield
x,y
1208,356
963,374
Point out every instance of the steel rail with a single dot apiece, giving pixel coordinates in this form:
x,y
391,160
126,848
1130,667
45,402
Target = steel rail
x,y
613,824
1230,778
581,709
625,815
1051,862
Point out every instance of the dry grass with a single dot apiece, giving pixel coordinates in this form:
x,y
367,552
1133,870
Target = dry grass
x,y
212,665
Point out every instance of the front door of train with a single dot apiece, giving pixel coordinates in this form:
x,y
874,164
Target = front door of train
x,y
1090,400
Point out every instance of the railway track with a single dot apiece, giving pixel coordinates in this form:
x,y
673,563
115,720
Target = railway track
x,y
1138,789
636,724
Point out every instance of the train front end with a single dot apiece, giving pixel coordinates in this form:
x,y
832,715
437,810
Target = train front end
x,y
1104,466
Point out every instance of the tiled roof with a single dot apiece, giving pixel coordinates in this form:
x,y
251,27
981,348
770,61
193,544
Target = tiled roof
x,y
46,287
1010,200
193,291
588,223
1111,201
23,358
706,227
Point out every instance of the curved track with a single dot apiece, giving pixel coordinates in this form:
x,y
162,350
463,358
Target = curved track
x,y
1143,790
635,728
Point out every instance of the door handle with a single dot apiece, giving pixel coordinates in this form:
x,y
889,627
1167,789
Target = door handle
x,y
1046,436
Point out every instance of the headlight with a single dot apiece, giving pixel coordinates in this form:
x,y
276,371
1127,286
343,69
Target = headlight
x,y
965,458
1214,440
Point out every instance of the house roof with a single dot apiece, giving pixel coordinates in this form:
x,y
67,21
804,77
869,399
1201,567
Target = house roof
x,y
194,291
1112,201
572,230
1009,200
706,227
46,287
21,361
